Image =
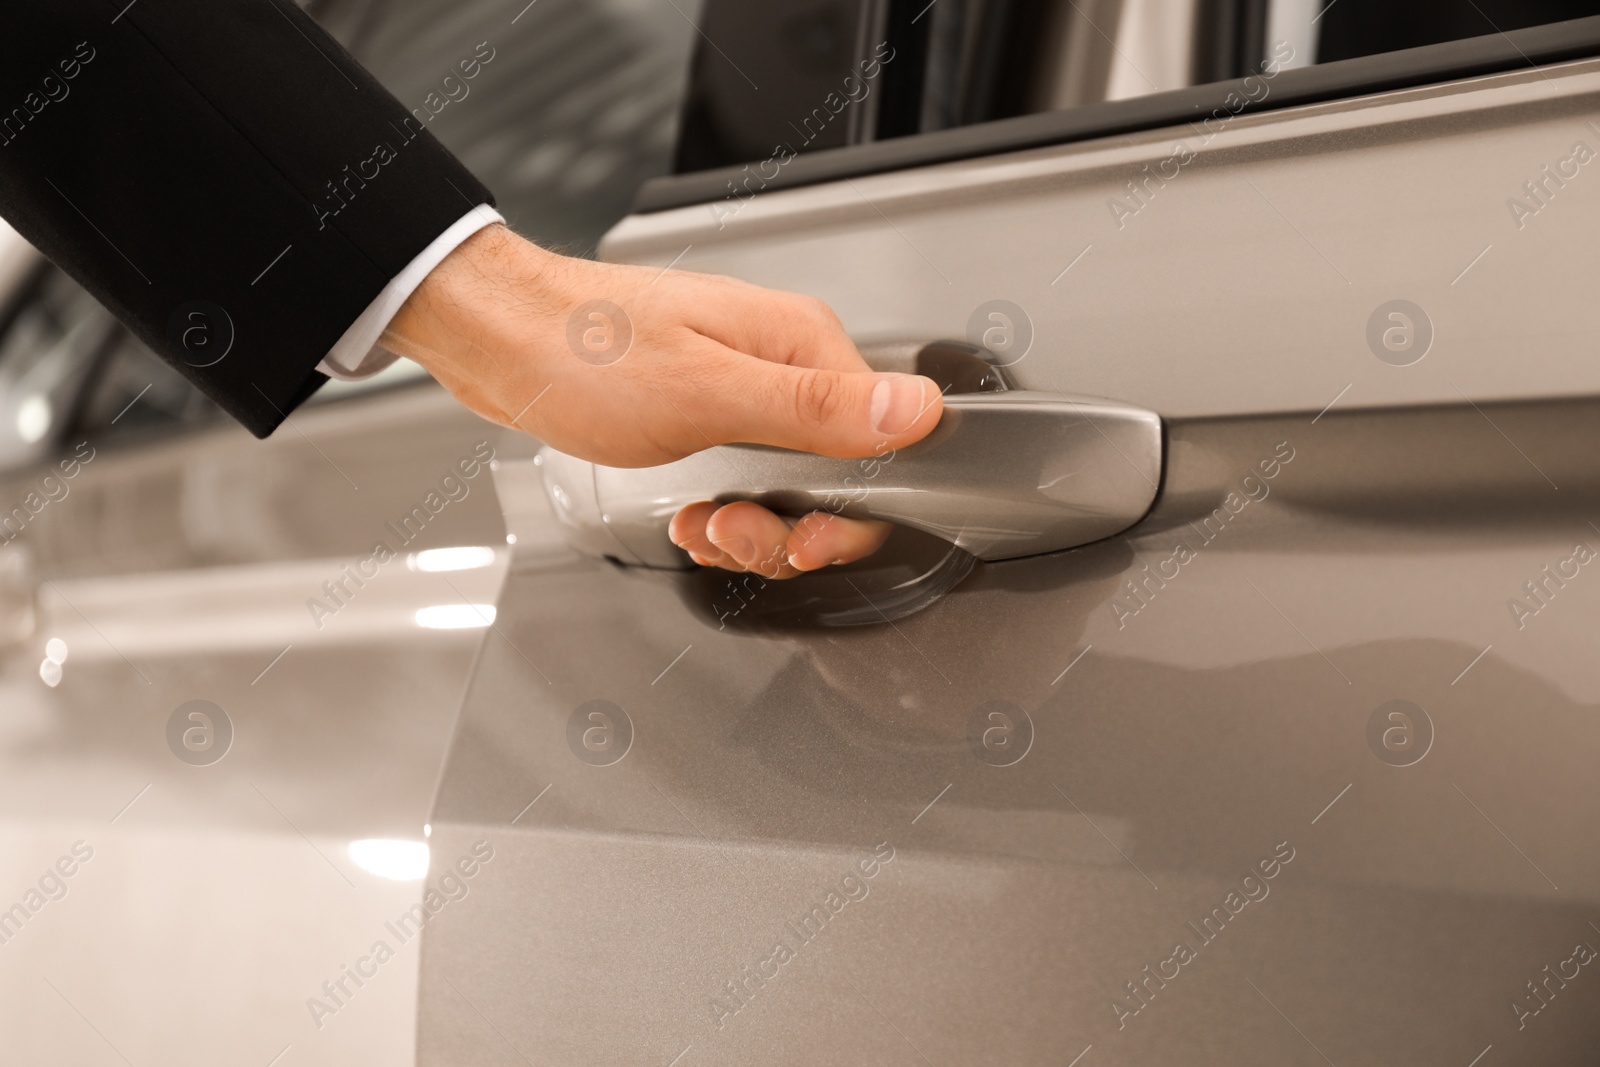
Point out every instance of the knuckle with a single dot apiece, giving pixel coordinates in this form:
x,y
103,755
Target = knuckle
x,y
820,311
817,398
805,312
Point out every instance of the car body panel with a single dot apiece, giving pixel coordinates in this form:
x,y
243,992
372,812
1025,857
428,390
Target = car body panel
x,y
1207,700
175,558
1196,305
225,894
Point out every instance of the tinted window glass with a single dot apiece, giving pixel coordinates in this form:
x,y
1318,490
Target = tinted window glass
x,y
792,76
939,64
798,48
1365,27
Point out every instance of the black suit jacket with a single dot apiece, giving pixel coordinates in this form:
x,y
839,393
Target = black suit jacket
x,y
222,175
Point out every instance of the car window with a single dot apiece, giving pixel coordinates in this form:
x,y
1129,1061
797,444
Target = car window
x,y
1354,28
788,77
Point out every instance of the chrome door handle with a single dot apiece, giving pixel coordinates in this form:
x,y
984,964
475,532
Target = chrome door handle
x,y
1003,475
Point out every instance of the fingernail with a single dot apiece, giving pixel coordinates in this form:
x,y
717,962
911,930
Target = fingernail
x,y
740,548
897,400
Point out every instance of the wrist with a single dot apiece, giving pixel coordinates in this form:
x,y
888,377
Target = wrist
x,y
455,304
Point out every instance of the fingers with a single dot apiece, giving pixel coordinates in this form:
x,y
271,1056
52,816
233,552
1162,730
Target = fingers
x,y
747,537
821,540
688,532
833,413
754,538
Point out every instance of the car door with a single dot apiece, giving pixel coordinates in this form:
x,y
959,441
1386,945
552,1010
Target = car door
x,y
1299,768
230,666
213,690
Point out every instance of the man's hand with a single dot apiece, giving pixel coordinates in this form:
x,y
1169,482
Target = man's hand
x,y
633,367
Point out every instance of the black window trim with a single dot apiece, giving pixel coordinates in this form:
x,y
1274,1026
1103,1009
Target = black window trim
x,y
1453,60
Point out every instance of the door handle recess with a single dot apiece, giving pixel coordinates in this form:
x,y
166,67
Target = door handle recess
x,y
1003,475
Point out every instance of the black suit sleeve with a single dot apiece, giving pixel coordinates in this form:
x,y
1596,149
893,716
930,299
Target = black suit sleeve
x,y
222,175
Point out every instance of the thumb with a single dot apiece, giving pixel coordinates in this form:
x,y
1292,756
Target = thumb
x,y
830,412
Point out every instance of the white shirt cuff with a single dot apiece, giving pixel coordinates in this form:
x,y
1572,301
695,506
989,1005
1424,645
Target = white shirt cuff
x,y
354,357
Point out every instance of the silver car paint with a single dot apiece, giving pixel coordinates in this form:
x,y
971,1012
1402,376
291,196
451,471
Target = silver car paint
x,y
219,898
1214,758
